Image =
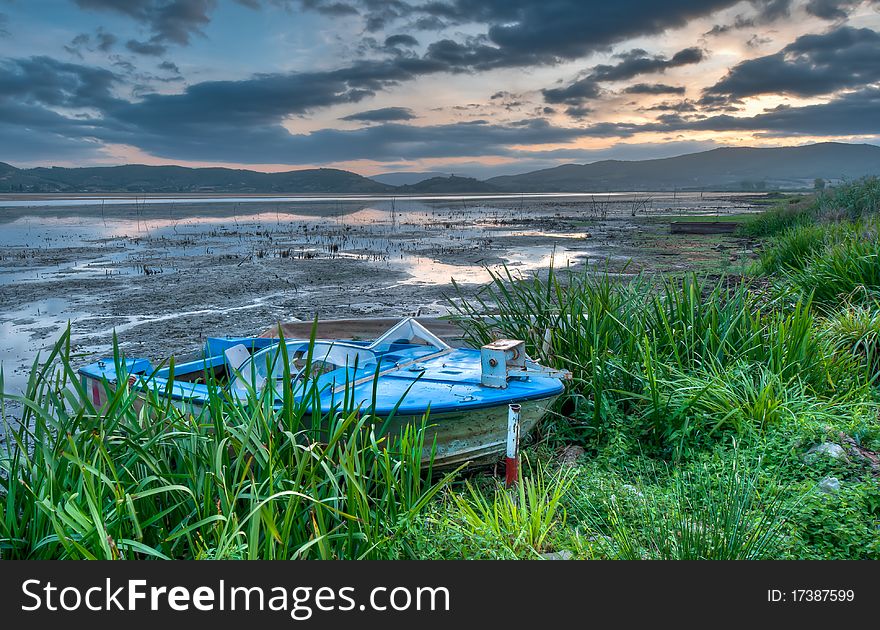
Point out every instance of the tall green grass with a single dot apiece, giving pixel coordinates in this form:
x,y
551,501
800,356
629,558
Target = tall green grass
x,y
855,331
844,273
520,519
245,481
676,362
851,201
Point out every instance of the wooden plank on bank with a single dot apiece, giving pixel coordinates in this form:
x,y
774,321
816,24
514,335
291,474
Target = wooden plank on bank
x,y
703,227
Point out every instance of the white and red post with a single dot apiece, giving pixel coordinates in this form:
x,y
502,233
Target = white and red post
x,y
512,459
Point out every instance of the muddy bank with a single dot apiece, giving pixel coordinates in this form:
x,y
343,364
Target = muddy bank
x,y
165,276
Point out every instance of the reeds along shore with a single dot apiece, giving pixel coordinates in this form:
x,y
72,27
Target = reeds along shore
x,y
707,418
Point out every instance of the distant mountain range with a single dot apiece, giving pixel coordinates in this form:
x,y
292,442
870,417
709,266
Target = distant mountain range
x,y
730,168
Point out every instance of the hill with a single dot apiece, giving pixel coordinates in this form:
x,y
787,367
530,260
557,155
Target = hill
x,y
179,179
729,168
451,184
405,178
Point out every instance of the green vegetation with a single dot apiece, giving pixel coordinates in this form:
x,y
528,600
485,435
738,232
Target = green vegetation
x,y
152,482
715,418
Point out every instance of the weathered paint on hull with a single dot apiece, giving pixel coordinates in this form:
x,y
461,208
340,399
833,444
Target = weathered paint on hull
x,y
477,436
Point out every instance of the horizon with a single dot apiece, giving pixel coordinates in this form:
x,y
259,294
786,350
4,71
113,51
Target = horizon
x,y
438,174
281,85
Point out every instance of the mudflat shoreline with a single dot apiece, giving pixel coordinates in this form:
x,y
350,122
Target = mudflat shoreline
x,y
164,277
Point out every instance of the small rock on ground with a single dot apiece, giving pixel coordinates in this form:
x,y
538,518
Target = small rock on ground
x,y
829,485
828,449
563,554
570,455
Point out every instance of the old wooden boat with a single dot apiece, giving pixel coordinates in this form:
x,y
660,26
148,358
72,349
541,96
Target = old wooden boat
x,y
400,376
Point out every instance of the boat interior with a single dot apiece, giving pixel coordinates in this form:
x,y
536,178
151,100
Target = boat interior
x,y
250,363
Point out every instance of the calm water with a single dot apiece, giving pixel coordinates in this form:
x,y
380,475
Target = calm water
x,y
41,201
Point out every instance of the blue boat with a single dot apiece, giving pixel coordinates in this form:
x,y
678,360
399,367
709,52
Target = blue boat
x,y
400,376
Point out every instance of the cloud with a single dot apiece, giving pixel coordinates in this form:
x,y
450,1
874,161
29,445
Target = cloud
x,y
48,82
812,65
832,9
571,29
169,21
169,66
383,142
578,111
103,42
4,21
636,62
407,41
685,105
654,88
851,114
241,121
577,92
145,48
523,32
633,63
383,114
332,8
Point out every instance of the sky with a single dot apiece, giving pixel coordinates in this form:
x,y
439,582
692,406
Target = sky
x,y
470,87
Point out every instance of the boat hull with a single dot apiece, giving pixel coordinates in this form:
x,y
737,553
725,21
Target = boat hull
x,y
473,435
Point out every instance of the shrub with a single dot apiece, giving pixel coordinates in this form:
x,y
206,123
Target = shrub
x,y
838,526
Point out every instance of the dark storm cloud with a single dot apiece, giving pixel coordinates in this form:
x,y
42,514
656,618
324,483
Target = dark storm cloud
x,y
812,65
383,114
170,21
633,63
654,88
